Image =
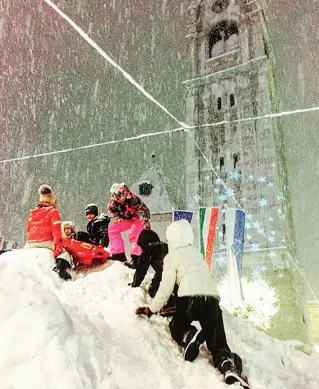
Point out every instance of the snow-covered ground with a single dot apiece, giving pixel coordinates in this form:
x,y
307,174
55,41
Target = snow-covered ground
x,y
85,335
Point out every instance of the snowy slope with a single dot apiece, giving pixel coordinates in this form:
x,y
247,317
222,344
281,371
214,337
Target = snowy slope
x,y
84,334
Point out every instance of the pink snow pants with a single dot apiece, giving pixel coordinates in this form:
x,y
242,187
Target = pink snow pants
x,y
116,240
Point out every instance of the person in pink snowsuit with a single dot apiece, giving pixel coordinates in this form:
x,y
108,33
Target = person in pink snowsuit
x,y
129,213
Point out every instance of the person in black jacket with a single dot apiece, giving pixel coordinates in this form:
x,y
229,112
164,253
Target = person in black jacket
x,y
153,255
97,227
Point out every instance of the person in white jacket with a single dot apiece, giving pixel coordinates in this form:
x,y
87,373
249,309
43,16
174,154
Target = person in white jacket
x,y
197,301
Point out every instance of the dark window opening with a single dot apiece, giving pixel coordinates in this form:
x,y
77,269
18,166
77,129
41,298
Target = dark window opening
x,y
266,47
220,5
236,159
223,38
145,189
221,163
219,103
223,231
222,135
232,100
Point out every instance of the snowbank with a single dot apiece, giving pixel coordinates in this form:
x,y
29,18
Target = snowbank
x,y
84,334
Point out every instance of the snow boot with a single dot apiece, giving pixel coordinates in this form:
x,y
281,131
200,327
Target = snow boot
x,y
133,263
121,257
231,373
60,267
196,339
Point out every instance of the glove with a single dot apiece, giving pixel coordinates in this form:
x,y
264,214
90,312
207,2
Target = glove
x,y
144,311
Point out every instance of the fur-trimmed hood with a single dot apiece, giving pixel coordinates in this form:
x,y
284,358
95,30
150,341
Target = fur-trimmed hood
x,y
179,234
65,224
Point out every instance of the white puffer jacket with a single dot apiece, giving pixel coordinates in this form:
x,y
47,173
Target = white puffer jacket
x,y
183,265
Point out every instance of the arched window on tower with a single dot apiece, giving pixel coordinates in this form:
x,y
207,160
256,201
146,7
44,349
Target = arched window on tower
x,y
220,6
236,159
232,99
223,38
221,163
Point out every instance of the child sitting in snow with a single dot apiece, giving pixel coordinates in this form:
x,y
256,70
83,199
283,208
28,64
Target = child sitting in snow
x,y
129,213
64,261
97,226
197,301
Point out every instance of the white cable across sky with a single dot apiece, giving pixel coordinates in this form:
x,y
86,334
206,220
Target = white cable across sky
x,y
150,134
109,142
112,62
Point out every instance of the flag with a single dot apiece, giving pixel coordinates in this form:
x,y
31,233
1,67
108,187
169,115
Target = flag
x,y
235,236
207,230
179,215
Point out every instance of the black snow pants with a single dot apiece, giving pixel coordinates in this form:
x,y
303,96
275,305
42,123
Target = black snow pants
x,y
206,310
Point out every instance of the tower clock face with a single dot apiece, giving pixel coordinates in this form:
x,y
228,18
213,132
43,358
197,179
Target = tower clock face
x,y
220,5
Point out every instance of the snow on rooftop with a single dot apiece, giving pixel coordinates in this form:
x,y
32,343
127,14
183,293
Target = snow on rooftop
x,y
158,201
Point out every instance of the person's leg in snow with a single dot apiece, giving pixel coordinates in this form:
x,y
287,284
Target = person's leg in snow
x,y
206,310
61,265
133,263
135,249
116,244
183,332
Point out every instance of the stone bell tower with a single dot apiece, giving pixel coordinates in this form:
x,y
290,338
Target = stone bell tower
x,y
232,84
229,85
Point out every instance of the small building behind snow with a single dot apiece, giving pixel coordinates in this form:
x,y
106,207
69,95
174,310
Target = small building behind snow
x,y
152,189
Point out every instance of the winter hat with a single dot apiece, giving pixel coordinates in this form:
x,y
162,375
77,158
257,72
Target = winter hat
x,y
116,188
119,191
91,209
179,234
68,224
46,194
146,237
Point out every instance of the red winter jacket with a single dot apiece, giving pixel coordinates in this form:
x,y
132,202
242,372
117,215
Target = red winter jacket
x,y
44,225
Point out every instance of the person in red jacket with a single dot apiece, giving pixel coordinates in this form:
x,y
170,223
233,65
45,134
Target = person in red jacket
x,y
44,223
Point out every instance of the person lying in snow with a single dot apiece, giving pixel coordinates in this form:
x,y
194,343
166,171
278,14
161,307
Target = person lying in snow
x,y
44,223
129,213
197,301
97,226
153,255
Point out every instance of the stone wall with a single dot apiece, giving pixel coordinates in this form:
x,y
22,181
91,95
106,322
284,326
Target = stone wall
x,y
293,32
